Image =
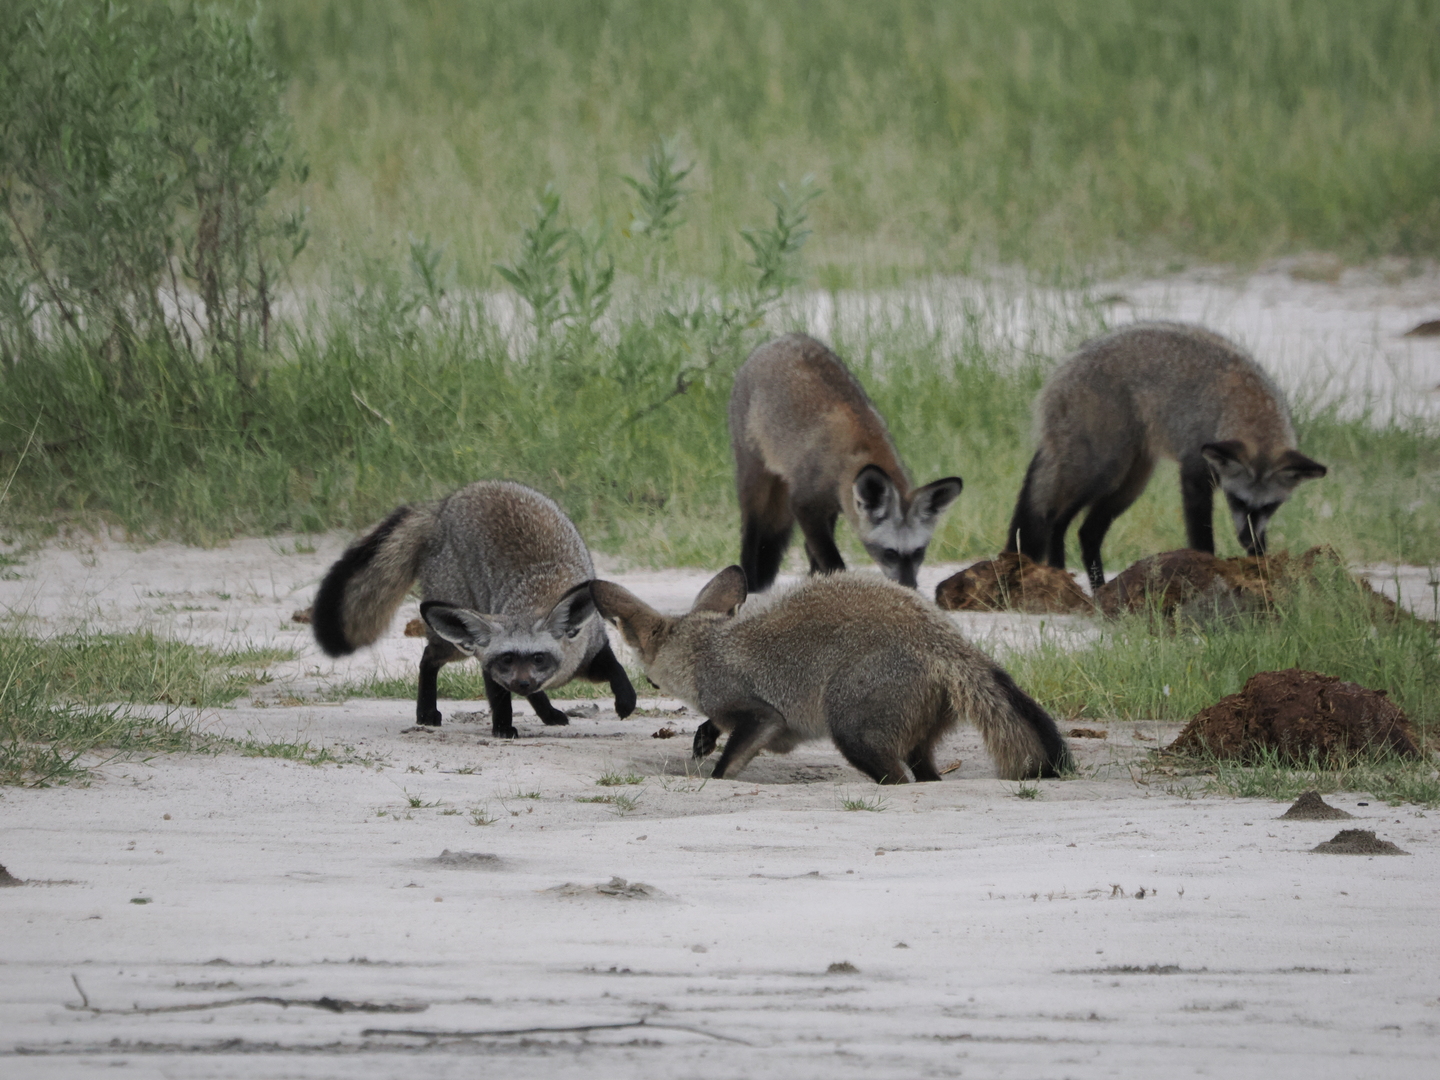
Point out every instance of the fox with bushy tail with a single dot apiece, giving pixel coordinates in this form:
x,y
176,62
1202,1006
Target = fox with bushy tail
x,y
1144,392
881,671
503,573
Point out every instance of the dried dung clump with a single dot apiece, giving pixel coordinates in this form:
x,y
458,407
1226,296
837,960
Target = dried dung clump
x,y
1197,585
616,886
8,879
1012,582
416,628
1311,807
478,860
302,616
1300,716
1357,842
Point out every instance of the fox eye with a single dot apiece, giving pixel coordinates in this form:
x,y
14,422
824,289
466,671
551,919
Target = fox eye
x,y
891,555
539,658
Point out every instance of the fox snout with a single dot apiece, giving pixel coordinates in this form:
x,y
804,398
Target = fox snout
x,y
521,673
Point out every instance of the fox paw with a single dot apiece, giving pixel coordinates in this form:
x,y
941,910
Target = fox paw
x,y
554,718
430,719
624,704
706,736
504,732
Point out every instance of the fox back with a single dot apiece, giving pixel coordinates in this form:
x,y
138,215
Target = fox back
x,y
868,663
810,446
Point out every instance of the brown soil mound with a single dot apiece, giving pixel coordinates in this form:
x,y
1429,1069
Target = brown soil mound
x,y
1198,584
1357,842
1012,582
1299,715
1310,807
416,628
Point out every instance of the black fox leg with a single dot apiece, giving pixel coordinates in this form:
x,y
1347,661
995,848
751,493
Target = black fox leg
x,y
1104,511
706,736
748,735
818,525
877,760
1197,495
1029,533
547,713
436,655
762,550
502,723
606,667
1055,543
922,763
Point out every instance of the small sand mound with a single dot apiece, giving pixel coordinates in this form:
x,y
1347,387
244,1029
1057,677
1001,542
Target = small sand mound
x,y
616,886
416,628
8,879
477,860
1012,582
1310,807
1299,715
1357,842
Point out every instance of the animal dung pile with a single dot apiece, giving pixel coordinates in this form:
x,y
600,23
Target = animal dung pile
x,y
1311,807
1300,716
1357,842
1012,582
477,860
616,886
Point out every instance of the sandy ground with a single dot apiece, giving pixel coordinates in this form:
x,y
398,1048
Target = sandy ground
x,y
197,916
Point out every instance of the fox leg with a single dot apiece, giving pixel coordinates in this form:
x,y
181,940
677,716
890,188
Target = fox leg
x,y
1197,495
1104,511
436,655
547,713
817,522
502,723
1055,543
1028,531
765,527
606,667
877,759
706,736
922,763
750,730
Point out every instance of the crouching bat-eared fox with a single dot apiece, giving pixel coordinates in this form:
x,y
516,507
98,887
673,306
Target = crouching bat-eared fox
x,y
872,665
505,578
1148,391
809,446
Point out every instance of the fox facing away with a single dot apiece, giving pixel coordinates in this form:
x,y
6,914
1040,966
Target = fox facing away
x,y
503,573
1148,391
809,446
870,664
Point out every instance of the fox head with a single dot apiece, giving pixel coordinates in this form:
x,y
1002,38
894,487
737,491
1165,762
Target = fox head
x,y
668,646
1255,485
523,653
896,532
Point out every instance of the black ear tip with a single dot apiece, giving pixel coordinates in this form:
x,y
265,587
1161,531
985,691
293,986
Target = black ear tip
x,y
431,605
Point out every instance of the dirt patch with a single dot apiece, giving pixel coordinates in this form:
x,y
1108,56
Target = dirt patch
x,y
470,860
1300,716
1310,807
616,886
1087,733
7,879
416,628
1357,842
1012,582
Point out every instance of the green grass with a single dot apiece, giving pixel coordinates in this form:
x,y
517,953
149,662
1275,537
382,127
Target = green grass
x,y
623,804
464,681
66,700
1390,779
944,135
1136,672
875,804
619,779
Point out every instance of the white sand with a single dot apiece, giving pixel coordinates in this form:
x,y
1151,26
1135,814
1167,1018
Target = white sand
x,y
1029,950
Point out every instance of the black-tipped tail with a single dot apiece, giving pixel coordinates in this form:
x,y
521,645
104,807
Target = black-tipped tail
x,y
328,619
1057,753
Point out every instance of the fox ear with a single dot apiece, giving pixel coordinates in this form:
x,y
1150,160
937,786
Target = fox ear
x,y
469,631
642,627
570,613
1299,466
932,500
875,496
725,592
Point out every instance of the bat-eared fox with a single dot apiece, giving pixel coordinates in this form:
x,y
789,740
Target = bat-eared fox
x,y
503,573
878,669
1148,391
809,446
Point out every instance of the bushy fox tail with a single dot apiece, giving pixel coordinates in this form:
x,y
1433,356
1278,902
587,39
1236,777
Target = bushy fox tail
x,y
1020,735
361,591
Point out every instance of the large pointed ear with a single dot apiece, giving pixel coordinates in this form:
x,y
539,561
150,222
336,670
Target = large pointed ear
x,y
570,613
469,631
875,496
725,592
642,627
932,500
1229,452
1299,466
